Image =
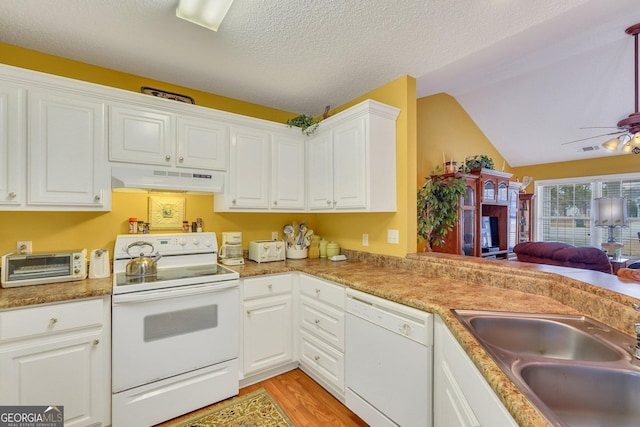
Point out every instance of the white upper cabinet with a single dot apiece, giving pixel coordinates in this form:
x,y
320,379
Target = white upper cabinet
x,y
155,137
12,146
266,170
202,143
351,162
67,146
287,172
249,170
140,135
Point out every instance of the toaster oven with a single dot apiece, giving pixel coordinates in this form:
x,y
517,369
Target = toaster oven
x,y
41,268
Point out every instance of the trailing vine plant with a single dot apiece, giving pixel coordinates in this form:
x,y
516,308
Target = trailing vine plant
x,y
438,202
306,123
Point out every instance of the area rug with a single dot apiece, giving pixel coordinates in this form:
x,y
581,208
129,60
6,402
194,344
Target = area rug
x,y
255,409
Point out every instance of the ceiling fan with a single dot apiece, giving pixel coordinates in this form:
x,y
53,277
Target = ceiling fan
x,y
627,137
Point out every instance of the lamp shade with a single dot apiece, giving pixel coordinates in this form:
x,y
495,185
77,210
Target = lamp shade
x,y
611,212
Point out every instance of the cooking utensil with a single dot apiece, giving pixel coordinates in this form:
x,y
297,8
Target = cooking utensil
x,y
143,265
288,231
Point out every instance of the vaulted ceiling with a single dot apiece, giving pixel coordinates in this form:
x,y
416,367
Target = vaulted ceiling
x,y
530,73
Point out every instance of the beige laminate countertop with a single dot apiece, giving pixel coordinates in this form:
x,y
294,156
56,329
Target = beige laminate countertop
x,y
435,283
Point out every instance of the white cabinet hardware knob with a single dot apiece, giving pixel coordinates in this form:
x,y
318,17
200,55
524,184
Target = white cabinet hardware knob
x,y
406,329
328,202
275,203
53,321
97,198
316,358
96,342
181,159
12,195
248,312
317,291
270,286
167,157
233,201
317,321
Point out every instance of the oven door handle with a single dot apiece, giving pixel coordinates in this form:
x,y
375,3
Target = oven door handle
x,y
160,294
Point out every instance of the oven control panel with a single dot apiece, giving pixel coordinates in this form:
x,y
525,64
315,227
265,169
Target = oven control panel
x,y
132,245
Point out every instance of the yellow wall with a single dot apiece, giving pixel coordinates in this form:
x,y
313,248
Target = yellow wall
x,y
445,127
625,163
72,230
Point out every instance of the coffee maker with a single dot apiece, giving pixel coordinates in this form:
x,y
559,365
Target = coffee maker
x,y
231,249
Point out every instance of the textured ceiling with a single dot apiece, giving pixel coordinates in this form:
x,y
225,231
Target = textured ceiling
x,y
517,66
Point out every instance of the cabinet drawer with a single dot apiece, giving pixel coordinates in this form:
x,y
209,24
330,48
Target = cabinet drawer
x,y
322,290
323,321
258,287
25,322
323,359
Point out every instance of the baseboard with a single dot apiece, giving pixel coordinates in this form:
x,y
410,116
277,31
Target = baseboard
x,y
269,373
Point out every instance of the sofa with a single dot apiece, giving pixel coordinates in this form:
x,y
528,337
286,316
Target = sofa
x,y
563,254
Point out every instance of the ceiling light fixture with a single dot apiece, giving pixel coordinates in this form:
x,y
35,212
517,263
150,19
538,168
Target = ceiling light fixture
x,y
630,139
206,13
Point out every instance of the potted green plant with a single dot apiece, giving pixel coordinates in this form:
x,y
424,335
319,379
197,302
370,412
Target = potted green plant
x,y
438,201
479,161
307,124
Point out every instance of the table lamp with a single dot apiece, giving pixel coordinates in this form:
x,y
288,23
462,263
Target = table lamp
x,y
611,213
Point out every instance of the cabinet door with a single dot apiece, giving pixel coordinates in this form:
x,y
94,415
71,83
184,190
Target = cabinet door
x,y
202,144
12,168
64,371
287,166
140,135
249,169
319,172
349,165
268,333
66,151
461,395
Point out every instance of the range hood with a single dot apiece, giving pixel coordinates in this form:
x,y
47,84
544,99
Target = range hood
x,y
167,179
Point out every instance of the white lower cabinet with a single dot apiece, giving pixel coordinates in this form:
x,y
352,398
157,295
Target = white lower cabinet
x,y
462,396
322,332
267,323
59,354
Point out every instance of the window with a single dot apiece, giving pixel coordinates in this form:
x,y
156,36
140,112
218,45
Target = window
x,y
564,211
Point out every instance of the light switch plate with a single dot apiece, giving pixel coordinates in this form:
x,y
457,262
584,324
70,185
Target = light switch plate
x,y
393,236
365,239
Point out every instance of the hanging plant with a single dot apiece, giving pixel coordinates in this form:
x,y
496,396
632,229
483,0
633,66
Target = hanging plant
x,y
306,123
479,161
438,201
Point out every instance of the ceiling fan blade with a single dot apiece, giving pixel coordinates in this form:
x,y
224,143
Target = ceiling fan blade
x,y
600,127
597,136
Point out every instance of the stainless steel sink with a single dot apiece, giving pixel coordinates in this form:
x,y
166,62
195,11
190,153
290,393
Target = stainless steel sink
x,y
574,369
550,336
587,395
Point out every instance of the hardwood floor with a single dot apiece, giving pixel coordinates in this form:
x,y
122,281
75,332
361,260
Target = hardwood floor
x,y
304,401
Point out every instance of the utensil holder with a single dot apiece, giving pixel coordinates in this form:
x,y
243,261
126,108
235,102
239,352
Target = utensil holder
x,y
296,252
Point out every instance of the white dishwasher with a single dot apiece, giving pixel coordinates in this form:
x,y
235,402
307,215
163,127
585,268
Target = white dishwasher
x,y
389,362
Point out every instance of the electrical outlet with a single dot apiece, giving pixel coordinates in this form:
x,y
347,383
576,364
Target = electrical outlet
x,y
274,235
365,239
24,247
393,236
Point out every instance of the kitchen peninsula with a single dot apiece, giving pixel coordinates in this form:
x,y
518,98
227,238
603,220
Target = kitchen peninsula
x,y
434,283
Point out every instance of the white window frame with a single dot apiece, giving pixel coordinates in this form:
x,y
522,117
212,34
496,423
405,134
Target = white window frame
x,y
596,181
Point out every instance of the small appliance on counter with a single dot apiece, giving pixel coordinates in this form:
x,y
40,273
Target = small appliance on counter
x,y
231,249
99,264
266,250
42,268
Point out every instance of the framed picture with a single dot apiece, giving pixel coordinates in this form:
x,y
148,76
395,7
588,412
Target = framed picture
x,y
166,212
166,95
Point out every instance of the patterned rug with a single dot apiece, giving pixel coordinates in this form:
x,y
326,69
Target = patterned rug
x,y
255,409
